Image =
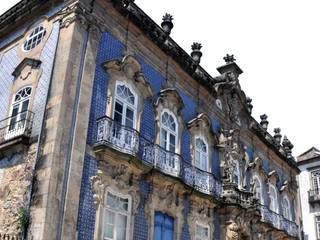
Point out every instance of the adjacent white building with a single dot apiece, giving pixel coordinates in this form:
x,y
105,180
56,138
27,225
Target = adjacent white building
x,y
309,181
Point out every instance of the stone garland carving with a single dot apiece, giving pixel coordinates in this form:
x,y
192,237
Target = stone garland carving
x,y
201,212
118,178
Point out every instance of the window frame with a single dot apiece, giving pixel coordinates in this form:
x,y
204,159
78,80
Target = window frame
x,y
169,131
261,199
316,190
128,215
273,189
34,38
317,227
203,226
289,216
201,138
16,130
125,104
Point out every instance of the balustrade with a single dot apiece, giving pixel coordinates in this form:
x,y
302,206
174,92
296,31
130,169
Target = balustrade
x,y
16,126
129,141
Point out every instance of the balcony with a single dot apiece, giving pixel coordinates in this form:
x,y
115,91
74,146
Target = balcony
x,y
16,129
314,196
129,141
278,221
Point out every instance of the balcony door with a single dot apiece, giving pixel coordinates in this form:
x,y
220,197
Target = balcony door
x,y
19,113
124,115
168,143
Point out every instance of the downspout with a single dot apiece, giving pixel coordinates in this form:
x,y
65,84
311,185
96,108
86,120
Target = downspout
x,y
72,131
25,231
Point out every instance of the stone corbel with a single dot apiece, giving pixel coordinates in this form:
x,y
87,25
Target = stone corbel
x,y
97,189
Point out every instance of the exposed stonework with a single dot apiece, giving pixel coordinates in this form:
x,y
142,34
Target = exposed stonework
x,y
14,189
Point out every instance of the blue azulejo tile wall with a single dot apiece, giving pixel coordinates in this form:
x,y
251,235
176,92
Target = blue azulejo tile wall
x,y
87,212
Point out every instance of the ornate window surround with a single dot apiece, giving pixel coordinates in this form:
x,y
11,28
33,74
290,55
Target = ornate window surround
x,y
201,213
258,172
285,198
115,179
200,127
175,133
257,178
169,100
273,189
127,71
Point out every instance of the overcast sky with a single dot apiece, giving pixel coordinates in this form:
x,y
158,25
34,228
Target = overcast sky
x,y
276,43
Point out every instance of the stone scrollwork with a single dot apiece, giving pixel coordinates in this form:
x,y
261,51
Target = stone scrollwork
x,y
232,231
118,178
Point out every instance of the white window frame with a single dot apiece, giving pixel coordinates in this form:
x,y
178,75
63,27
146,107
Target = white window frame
x,y
169,131
275,205
125,104
315,181
34,38
201,153
261,199
317,223
16,131
128,214
202,225
237,173
286,214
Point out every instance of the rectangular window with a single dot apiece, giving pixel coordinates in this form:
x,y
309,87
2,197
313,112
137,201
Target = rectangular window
x,y
202,232
318,226
116,218
316,181
163,226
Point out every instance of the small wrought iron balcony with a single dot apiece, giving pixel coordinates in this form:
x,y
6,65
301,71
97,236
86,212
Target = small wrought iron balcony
x,y
314,196
128,140
278,221
16,127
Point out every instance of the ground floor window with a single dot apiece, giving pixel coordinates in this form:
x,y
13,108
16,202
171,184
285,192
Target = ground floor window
x,y
318,226
202,232
116,221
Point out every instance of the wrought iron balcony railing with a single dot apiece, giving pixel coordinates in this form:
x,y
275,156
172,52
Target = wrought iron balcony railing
x,y
19,125
129,141
314,195
278,221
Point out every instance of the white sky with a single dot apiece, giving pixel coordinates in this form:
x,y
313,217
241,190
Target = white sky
x,y
276,43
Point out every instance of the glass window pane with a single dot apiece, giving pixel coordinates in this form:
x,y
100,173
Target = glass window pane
x,y
109,224
172,143
163,138
121,227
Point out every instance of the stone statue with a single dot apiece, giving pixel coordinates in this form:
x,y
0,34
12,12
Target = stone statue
x,y
232,231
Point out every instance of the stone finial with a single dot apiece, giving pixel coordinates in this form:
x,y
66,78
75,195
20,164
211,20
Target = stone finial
x,y
167,24
249,105
196,54
229,58
288,146
126,3
277,136
264,122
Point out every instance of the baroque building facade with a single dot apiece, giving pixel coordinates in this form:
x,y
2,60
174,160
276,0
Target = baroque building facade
x,y
110,130
309,180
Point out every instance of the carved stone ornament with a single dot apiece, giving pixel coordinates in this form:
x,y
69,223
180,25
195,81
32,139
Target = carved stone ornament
x,y
232,232
23,70
120,179
201,213
131,69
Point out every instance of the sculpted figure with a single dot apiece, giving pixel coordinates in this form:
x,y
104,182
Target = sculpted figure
x,y
232,231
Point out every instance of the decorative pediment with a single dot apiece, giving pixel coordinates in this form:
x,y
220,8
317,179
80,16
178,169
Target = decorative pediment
x,y
118,178
24,68
170,99
273,177
202,121
129,68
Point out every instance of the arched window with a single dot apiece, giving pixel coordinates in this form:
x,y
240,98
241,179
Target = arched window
x,y
236,174
286,208
258,189
19,108
273,199
116,217
34,38
125,103
201,154
168,132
